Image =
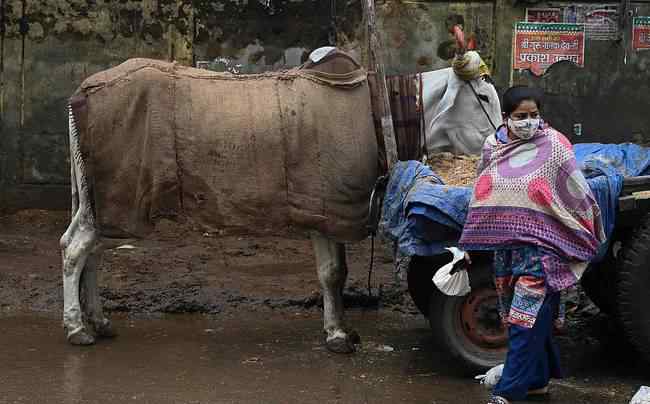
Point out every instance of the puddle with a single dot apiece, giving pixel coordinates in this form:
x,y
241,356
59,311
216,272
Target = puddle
x,y
244,358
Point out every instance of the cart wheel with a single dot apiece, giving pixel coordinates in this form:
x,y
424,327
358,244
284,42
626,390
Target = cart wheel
x,y
597,281
468,328
633,285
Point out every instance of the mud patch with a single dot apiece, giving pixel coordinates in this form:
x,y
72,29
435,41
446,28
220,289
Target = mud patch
x,y
183,269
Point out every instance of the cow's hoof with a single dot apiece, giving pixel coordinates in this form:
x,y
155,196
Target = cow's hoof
x,y
80,337
104,329
340,345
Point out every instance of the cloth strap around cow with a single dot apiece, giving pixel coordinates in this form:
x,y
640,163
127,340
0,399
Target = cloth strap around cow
x,y
480,102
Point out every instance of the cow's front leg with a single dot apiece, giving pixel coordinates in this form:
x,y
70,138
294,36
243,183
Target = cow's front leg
x,y
332,274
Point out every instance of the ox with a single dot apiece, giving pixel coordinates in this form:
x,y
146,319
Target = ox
x,y
151,139
459,114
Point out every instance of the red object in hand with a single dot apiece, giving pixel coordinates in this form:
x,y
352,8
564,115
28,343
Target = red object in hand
x,y
458,33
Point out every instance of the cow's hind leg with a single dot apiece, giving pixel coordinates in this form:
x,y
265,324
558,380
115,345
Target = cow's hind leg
x,y
91,303
77,245
332,274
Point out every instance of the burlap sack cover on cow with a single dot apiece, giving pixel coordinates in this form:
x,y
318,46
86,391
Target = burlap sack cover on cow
x,y
254,152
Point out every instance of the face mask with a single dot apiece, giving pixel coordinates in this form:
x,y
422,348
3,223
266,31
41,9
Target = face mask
x,y
523,129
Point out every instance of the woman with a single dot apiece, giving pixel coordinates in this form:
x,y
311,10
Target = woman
x,y
534,209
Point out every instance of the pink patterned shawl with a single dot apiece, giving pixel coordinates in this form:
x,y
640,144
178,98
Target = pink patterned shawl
x,y
531,192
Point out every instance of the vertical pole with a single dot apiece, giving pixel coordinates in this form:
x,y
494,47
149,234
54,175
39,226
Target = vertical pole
x,y
332,33
24,28
375,63
180,46
2,60
23,36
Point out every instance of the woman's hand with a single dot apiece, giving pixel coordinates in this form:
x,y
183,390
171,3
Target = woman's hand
x,y
467,258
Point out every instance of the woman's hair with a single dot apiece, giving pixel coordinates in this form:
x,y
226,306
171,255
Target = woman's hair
x,y
515,95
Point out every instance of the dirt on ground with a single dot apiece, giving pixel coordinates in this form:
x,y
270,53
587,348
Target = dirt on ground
x,y
180,268
254,327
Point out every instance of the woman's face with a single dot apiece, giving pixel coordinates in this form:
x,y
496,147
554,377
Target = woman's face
x,y
527,109
518,122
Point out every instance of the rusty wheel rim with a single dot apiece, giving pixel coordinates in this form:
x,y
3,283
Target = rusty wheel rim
x,y
480,321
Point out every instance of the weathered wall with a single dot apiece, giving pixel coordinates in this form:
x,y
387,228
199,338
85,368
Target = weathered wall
x,y
413,31
49,46
609,97
254,39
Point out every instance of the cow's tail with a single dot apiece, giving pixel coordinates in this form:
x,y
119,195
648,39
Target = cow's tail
x,y
73,134
80,191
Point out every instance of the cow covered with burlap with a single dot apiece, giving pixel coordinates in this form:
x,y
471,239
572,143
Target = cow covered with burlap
x,y
151,139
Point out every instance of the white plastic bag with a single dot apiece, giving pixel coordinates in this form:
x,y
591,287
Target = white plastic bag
x,y
491,377
642,396
456,284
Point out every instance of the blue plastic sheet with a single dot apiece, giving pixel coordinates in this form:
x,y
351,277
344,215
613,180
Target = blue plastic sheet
x,y
423,215
406,180
605,166
628,159
420,213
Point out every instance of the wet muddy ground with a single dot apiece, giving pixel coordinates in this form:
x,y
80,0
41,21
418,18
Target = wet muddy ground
x,y
219,318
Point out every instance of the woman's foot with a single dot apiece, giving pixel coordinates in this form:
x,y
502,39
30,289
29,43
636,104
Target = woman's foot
x,y
497,400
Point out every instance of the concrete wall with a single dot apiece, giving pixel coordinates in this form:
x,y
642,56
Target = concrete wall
x,y
609,98
48,46
413,31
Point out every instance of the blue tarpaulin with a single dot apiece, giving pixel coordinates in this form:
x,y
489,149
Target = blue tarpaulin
x,y
423,215
419,210
605,166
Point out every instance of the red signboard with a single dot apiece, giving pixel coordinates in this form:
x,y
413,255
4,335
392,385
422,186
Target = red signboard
x,y
543,15
537,46
641,33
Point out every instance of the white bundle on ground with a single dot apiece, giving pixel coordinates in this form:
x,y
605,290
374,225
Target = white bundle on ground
x,y
456,284
491,377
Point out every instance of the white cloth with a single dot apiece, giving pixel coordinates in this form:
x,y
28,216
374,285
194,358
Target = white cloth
x,y
456,284
468,66
320,53
454,120
642,396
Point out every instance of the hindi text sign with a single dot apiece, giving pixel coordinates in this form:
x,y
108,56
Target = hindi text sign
x,y
544,15
641,33
539,45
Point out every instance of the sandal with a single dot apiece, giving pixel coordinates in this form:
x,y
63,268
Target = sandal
x,y
497,400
